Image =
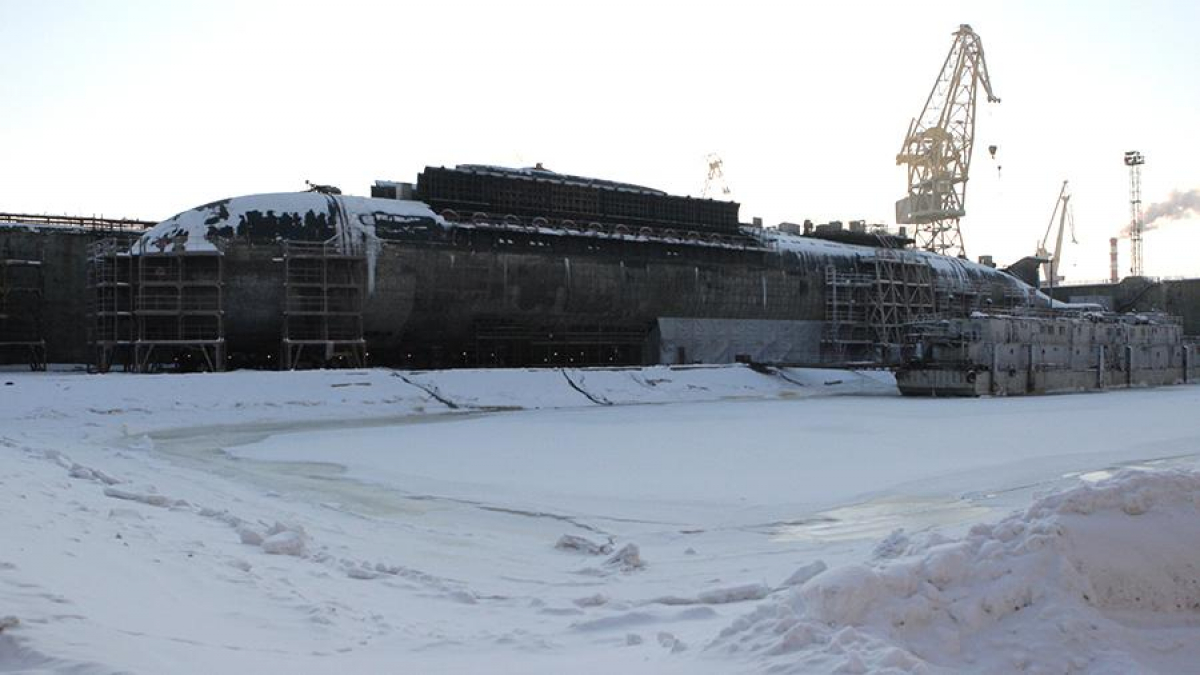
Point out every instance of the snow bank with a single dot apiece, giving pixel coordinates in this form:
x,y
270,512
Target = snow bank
x,y
674,384
147,402
1083,581
499,389
543,388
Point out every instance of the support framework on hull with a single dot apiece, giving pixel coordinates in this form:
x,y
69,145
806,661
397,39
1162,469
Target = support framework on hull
x,y
848,337
21,292
179,310
111,327
324,290
959,298
903,293
866,310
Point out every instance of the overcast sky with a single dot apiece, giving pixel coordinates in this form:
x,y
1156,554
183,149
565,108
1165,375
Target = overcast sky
x,y
144,109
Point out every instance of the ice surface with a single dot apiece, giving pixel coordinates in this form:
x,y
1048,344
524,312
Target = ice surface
x,y
789,521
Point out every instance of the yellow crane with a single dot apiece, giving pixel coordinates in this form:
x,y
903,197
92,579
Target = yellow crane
x,y
1050,262
937,148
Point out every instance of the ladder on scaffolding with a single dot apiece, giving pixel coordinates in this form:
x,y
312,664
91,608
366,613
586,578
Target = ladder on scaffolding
x,y
179,310
868,306
110,283
324,289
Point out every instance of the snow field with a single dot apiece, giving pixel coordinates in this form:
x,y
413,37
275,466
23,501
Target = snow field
x,y
546,520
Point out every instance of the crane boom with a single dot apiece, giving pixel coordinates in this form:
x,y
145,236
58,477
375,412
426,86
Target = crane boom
x,y
937,148
1052,260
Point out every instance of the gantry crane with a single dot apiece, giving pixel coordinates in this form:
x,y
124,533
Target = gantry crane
x,y
938,148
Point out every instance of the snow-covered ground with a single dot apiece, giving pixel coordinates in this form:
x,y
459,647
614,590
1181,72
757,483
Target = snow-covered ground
x,y
690,520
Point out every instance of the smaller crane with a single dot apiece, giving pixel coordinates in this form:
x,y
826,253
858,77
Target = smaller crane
x,y
1062,211
715,182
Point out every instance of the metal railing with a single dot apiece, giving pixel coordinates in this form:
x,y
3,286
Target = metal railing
x,y
94,223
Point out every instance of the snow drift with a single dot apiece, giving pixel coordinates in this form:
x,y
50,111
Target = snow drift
x,y
1093,579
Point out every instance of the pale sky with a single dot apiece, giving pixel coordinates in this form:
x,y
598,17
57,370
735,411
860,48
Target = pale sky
x,y
145,109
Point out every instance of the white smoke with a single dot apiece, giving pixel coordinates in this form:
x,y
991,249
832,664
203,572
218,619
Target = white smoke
x,y
1179,205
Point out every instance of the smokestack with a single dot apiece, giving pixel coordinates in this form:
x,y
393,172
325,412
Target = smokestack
x,y
1114,274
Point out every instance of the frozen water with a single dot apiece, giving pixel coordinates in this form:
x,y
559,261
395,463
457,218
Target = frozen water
x,y
708,520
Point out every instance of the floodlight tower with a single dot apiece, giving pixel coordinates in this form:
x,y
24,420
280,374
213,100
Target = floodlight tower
x,y
1134,160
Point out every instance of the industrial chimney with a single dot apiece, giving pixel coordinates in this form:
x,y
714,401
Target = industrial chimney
x,y
1114,274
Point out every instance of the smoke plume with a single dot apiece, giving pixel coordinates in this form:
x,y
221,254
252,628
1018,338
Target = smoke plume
x,y
1179,205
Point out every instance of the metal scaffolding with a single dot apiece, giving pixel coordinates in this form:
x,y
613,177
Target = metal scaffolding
x,y
21,291
867,309
904,293
959,298
179,310
111,327
324,290
848,335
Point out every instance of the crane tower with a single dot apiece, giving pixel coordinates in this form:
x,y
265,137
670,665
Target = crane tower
x,y
937,149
